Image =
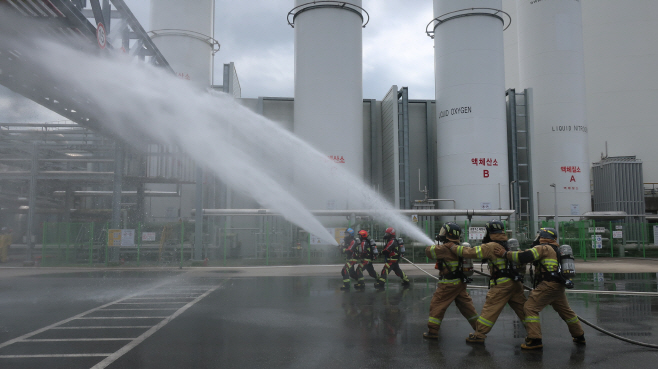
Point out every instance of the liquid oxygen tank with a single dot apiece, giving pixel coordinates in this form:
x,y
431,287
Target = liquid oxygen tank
x,y
467,264
567,262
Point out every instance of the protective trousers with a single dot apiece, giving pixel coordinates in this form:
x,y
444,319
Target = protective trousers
x,y
509,292
367,266
444,295
352,268
550,293
394,265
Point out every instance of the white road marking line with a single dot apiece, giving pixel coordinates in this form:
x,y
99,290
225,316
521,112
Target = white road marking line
x,y
122,351
107,327
158,298
76,339
139,309
172,294
122,317
20,338
51,355
149,303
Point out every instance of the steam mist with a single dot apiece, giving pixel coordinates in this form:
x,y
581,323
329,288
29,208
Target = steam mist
x,y
245,150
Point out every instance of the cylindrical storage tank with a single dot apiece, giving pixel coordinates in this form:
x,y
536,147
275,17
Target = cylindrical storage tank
x,y
470,101
551,65
183,30
328,111
621,78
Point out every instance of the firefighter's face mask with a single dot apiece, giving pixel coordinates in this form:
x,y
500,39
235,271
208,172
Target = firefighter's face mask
x,y
536,241
442,235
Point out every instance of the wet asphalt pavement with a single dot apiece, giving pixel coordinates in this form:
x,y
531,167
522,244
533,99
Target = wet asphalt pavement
x,y
229,319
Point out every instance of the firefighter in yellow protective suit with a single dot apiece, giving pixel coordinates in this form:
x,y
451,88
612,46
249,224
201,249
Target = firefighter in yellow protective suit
x,y
452,281
505,285
549,288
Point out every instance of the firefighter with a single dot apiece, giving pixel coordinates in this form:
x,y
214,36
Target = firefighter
x,y
352,267
452,281
392,252
505,285
367,253
549,288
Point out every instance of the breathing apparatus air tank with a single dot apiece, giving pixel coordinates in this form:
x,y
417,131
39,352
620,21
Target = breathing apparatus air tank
x,y
467,264
373,245
566,262
513,245
401,243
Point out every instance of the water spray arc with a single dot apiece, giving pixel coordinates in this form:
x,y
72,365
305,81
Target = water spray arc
x,y
247,151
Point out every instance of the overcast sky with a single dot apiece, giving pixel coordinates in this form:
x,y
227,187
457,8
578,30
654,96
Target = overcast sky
x,y
255,35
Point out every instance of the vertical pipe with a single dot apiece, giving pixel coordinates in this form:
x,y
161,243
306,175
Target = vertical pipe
x,y
118,179
107,242
139,241
225,224
309,249
514,164
612,241
198,215
31,213
405,129
182,240
43,245
267,243
68,241
91,243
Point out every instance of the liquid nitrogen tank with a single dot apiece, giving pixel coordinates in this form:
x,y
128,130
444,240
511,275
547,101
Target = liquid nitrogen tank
x,y
470,101
328,112
550,39
183,31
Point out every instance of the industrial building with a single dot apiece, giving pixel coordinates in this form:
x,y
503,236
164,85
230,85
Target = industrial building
x,y
528,96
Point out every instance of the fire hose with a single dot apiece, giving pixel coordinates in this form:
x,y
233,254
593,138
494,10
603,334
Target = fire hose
x,y
579,318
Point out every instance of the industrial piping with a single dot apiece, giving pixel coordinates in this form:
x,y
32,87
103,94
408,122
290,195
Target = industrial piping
x,y
580,318
364,212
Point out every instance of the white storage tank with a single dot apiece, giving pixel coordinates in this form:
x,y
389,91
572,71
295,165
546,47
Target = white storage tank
x,y
328,111
619,39
470,101
550,43
183,32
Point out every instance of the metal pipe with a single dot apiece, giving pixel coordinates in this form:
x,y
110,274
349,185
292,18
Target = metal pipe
x,y
123,193
198,224
557,222
364,212
32,198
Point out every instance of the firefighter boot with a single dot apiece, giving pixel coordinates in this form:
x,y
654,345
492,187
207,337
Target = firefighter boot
x,y
580,340
361,286
380,285
431,335
474,339
345,287
532,344
406,283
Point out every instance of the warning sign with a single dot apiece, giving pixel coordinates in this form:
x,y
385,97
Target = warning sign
x,y
121,237
414,218
114,237
476,233
148,236
101,35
